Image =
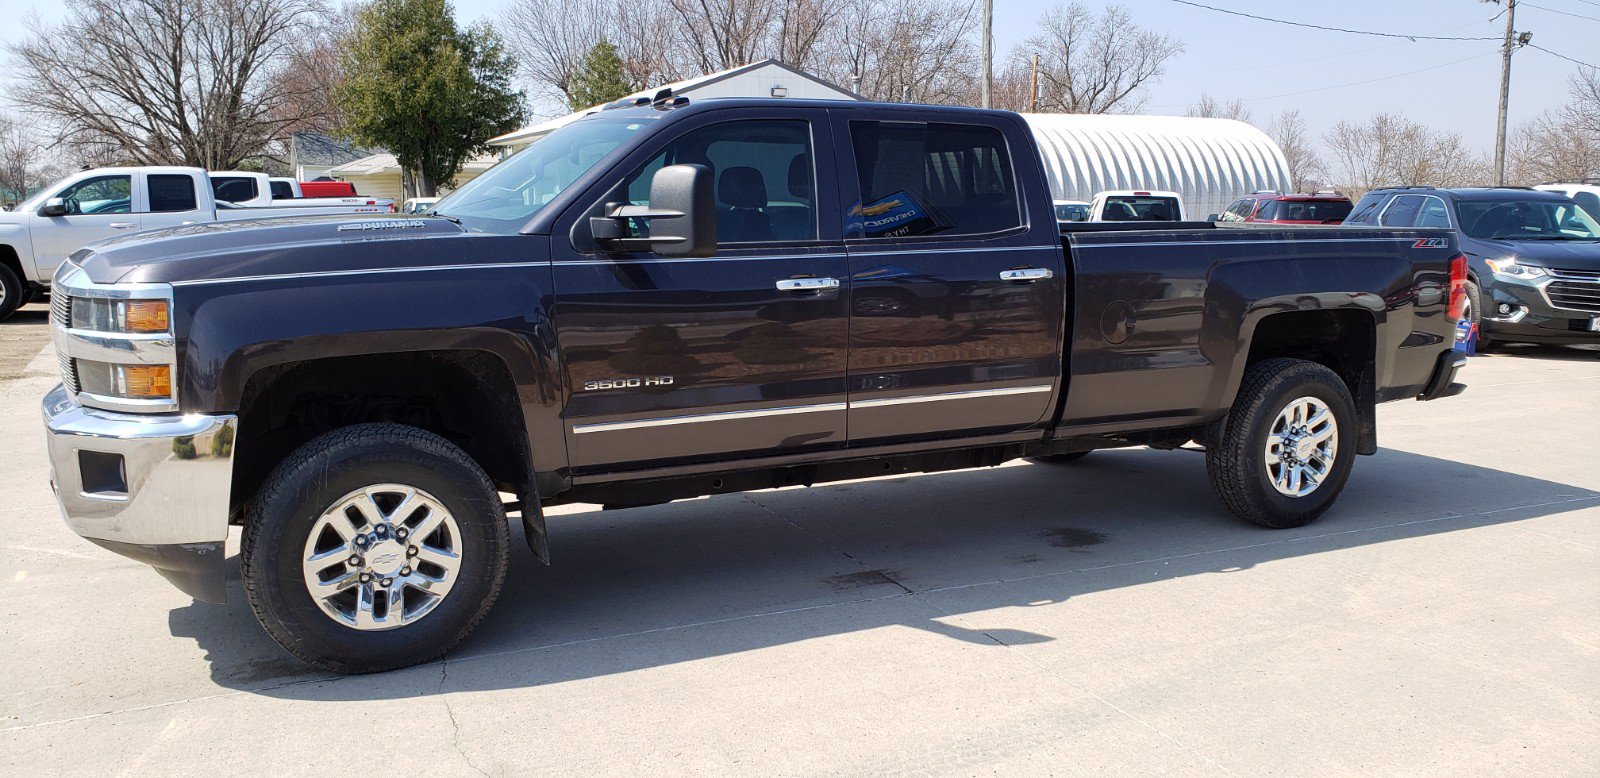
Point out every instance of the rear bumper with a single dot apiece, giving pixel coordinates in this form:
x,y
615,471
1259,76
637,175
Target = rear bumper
x,y
152,487
1443,381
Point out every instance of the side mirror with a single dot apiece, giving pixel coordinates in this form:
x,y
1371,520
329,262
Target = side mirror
x,y
1211,217
54,206
682,214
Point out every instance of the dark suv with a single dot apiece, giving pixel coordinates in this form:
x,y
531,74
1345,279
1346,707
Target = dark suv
x,y
1533,257
1280,208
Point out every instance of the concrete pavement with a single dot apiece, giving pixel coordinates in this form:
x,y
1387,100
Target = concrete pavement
x,y
1103,616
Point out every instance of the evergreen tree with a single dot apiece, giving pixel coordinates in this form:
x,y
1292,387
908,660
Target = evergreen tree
x,y
427,90
600,78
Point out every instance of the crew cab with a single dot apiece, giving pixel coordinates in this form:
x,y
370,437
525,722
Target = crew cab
x,y
663,301
1131,205
96,204
258,190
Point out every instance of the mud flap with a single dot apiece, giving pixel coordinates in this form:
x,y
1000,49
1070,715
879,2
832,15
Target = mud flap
x,y
533,527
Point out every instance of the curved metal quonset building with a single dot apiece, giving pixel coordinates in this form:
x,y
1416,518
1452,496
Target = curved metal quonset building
x,y
1211,162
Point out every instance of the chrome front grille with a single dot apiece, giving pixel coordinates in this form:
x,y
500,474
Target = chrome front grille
x,y
1576,290
61,309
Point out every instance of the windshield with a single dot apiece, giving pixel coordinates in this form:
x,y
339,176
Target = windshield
x,y
508,194
1526,220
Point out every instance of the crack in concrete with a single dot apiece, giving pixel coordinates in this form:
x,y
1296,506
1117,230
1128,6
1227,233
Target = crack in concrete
x,y
455,726
825,543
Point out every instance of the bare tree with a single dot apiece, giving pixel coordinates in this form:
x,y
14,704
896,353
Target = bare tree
x,y
173,81
903,50
1211,108
24,166
1391,150
549,39
1289,131
1561,146
1092,63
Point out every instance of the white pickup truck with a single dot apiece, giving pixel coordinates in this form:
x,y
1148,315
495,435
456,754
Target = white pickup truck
x,y
96,204
257,190
1128,205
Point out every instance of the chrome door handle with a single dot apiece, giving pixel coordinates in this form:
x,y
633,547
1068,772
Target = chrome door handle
x,y
808,284
1026,274
122,225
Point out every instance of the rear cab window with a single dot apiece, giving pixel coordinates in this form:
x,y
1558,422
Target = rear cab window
x,y
170,192
233,189
1139,208
931,180
281,190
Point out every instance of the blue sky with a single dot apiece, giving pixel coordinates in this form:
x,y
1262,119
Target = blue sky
x,y
1273,67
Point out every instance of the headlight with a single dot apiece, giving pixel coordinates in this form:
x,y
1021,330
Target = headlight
x,y
1509,269
120,315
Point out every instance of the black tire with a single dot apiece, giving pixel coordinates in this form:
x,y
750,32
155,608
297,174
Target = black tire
x,y
1059,459
1475,314
1235,462
308,482
13,292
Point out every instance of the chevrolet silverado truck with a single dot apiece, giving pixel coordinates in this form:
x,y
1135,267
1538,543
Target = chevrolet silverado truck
x,y
95,204
668,300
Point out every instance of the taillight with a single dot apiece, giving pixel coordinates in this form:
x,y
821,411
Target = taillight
x,y
1458,286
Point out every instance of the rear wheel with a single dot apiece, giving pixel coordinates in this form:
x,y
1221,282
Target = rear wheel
x,y
1287,446
1474,314
374,547
13,292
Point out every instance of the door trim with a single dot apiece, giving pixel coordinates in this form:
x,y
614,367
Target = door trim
x,y
698,418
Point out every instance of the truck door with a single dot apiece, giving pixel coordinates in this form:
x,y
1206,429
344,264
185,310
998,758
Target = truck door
x,y
739,354
97,208
955,288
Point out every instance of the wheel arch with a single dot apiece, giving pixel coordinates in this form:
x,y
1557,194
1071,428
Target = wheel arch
x,y
1345,340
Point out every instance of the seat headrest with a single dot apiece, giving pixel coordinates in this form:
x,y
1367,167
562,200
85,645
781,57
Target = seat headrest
x,y
800,176
742,187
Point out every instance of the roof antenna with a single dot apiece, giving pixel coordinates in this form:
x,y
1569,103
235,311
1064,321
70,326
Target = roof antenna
x,y
661,96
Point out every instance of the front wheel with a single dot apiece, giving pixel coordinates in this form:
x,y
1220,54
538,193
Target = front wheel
x,y
1287,446
13,292
374,547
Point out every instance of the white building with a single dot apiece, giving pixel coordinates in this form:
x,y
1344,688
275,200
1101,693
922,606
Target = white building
x,y
767,78
1211,162
379,175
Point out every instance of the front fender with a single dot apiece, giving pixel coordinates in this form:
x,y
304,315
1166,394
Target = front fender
x,y
229,330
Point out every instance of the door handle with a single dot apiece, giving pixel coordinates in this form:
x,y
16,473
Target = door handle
x,y
808,284
1026,274
122,225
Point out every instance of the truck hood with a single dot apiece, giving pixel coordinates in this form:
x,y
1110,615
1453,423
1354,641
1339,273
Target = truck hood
x,y
277,246
1569,254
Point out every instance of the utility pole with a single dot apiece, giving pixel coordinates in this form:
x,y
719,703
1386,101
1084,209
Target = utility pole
x,y
1505,89
988,53
1033,94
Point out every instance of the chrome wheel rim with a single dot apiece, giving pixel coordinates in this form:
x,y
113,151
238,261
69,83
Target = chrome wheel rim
x,y
382,557
1302,447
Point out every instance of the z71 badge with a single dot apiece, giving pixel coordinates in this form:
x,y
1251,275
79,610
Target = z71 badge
x,y
627,383
1431,243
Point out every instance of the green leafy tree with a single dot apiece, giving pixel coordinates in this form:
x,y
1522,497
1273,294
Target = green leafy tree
x,y
425,89
601,77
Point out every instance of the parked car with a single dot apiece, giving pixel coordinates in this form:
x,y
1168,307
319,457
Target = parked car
x,y
1279,208
1534,257
1071,210
290,189
1586,194
418,204
257,190
1128,205
644,306
93,205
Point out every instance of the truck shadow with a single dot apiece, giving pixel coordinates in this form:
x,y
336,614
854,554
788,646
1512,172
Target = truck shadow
x,y
699,579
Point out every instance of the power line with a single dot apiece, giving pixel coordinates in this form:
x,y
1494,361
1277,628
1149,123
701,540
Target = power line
x,y
1562,56
1563,13
1352,83
1331,29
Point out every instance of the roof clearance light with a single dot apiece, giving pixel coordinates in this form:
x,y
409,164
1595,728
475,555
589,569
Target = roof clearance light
x,y
780,91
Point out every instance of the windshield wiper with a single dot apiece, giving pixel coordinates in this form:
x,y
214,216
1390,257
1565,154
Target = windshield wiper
x,y
451,219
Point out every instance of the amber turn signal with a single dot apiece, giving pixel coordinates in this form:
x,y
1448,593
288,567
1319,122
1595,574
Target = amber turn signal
x,y
146,381
145,316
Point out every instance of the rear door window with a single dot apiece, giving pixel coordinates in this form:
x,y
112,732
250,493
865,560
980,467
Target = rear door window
x,y
933,180
1366,211
281,190
170,193
1402,212
1433,213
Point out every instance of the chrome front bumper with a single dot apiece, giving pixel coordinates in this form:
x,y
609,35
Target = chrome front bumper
x,y
152,487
